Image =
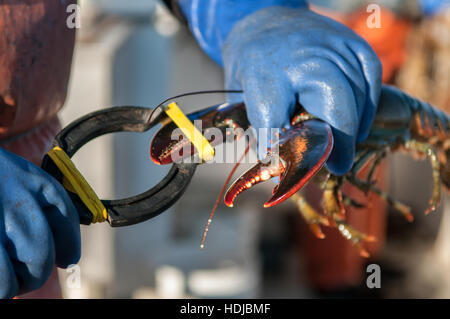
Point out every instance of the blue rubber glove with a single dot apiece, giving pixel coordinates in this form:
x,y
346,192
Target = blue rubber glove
x,y
39,226
286,53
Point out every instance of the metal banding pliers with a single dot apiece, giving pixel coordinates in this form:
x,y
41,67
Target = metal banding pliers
x,y
130,210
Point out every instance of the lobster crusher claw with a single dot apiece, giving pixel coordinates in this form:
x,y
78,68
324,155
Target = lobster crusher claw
x,y
122,212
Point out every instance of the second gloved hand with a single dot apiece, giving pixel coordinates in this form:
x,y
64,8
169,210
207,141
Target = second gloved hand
x,y
279,56
39,226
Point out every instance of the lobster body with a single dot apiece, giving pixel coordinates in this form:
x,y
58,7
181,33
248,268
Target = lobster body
x,y
400,123
400,119
397,121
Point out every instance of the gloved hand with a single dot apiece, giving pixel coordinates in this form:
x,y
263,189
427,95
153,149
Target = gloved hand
x,y
39,226
282,54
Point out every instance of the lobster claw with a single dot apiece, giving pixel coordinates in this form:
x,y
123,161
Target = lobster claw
x,y
302,151
166,150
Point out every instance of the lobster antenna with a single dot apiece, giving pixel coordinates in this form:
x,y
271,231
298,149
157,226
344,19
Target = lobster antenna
x,y
188,94
227,181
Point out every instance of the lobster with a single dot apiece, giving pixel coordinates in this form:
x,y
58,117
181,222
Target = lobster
x,y
401,123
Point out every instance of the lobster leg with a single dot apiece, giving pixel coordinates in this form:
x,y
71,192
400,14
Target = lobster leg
x,y
379,157
333,204
435,165
334,208
361,159
348,201
311,216
356,237
366,186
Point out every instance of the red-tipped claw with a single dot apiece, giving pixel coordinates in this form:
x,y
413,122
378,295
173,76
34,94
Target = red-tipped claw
x,y
303,150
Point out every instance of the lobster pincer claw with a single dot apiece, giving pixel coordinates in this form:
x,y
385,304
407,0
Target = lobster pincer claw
x,y
167,147
302,151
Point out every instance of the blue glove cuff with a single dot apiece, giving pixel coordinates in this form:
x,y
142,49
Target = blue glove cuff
x,y
211,21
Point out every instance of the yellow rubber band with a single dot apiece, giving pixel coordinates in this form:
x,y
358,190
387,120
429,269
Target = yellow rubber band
x,y
205,150
75,182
